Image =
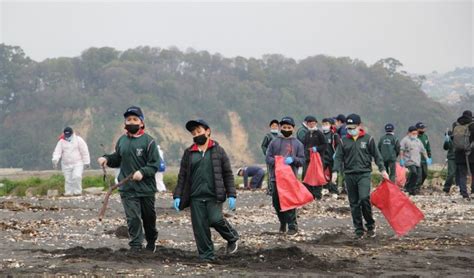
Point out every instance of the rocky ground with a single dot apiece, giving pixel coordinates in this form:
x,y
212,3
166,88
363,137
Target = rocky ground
x,y
62,236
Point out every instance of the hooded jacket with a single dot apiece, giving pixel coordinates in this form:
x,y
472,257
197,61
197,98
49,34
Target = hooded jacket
x,y
285,146
460,156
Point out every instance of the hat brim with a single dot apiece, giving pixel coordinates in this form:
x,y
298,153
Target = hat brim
x,y
125,115
191,125
351,126
287,123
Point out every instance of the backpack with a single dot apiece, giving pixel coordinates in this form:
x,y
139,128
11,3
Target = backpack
x,y
461,137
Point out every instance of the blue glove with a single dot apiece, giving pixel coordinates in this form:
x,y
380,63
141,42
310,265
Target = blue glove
x,y
446,138
176,203
402,162
429,161
232,203
289,160
334,156
315,149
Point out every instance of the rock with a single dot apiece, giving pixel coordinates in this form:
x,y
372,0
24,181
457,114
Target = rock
x,y
52,193
94,190
122,232
30,192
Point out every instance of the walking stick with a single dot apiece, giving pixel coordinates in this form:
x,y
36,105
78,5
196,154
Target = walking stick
x,y
107,195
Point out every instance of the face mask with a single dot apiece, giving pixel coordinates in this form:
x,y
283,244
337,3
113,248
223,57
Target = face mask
x,y
412,137
274,131
68,138
286,133
326,129
200,139
132,129
420,132
312,128
353,132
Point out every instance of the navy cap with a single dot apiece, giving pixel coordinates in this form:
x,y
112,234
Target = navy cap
x,y
287,120
134,110
412,128
310,119
68,132
274,121
341,118
191,125
389,127
420,125
353,119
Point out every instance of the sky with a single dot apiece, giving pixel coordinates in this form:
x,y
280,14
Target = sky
x,y
425,36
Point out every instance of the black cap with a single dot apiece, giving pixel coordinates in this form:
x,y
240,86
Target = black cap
x,y
310,119
328,120
420,125
191,125
353,119
274,121
389,127
412,128
287,120
134,110
68,132
467,114
341,118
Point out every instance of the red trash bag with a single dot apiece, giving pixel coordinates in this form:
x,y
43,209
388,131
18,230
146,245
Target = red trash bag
x,y
400,175
315,172
397,208
291,192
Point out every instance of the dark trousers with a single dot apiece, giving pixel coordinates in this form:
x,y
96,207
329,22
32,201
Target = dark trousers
x,y
257,179
413,181
424,174
358,191
206,214
141,215
461,174
330,186
286,217
390,166
314,190
271,184
451,176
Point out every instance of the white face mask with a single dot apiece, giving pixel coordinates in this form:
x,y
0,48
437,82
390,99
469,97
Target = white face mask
x,y
326,129
274,131
312,128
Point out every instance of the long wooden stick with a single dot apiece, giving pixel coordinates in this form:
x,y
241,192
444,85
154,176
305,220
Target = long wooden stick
x,y
107,195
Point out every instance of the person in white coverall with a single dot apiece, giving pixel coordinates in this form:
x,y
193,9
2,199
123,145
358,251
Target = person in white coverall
x,y
160,185
72,150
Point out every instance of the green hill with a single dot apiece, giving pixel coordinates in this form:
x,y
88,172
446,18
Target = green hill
x,y
237,96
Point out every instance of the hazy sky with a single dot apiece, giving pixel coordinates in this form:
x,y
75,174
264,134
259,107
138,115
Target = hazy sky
x,y
424,36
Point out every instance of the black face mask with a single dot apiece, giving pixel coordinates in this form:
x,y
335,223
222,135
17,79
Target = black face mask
x,y
132,129
286,133
420,132
200,139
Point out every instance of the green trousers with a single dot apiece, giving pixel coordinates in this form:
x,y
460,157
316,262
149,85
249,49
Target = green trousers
x,y
286,217
206,214
451,175
141,215
358,191
424,174
390,166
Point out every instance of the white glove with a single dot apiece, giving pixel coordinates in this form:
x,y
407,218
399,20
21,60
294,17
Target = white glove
x,y
55,164
137,176
385,175
102,161
334,178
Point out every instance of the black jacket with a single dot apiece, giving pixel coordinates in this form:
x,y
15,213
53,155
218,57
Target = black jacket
x,y
222,170
460,156
314,139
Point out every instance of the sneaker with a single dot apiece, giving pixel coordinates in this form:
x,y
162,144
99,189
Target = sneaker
x,y
282,228
232,247
151,247
466,198
292,232
135,249
359,236
371,233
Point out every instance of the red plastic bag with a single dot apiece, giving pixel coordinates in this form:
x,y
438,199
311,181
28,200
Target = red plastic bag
x,y
397,208
291,192
315,172
400,175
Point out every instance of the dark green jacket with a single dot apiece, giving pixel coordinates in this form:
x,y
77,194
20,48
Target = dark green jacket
x,y
333,141
448,146
426,143
222,172
301,133
267,140
389,147
133,154
357,155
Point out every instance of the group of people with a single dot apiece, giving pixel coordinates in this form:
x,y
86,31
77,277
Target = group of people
x,y
206,181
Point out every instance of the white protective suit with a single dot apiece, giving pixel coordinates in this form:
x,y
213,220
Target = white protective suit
x,y
74,154
160,185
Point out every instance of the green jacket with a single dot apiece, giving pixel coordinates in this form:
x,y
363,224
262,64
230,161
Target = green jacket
x,y
449,146
426,143
132,154
267,140
301,133
389,147
357,155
